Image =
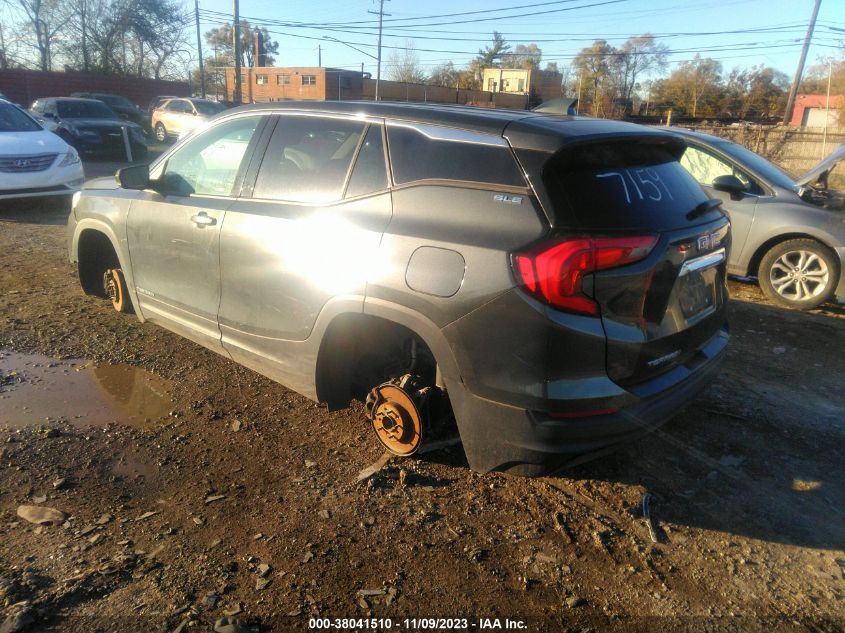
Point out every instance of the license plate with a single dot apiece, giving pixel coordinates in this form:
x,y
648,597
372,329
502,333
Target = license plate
x,y
697,293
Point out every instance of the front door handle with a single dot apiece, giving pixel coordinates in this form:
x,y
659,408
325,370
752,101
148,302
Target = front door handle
x,y
202,219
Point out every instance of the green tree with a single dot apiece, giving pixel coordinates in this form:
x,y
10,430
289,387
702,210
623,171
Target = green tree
x,y
490,56
694,88
222,40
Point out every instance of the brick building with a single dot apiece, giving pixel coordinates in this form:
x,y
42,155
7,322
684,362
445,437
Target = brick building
x,y
814,110
537,85
266,83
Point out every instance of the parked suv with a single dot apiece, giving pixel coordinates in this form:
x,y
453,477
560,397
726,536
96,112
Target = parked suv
x,y
124,108
179,116
559,282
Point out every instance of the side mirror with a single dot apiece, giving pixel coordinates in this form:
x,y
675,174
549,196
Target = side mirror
x,y
134,177
729,184
48,115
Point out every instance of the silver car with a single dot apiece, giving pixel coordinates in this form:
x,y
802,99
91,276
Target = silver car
x,y
788,233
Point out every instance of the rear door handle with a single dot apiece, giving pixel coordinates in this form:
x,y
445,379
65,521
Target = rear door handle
x,y
202,219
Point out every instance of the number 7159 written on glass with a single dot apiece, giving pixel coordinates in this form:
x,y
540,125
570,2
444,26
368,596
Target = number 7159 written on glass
x,y
646,183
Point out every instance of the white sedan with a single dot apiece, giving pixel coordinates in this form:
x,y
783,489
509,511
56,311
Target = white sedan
x,y
33,161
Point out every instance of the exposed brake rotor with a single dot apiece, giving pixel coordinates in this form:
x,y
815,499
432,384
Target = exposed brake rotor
x,y
394,409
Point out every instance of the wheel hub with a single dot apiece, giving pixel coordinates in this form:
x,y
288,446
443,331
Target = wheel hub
x,y
395,416
110,285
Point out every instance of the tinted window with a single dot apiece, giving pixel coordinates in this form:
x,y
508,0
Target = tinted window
x,y
370,171
85,110
209,163
415,156
621,186
12,119
307,159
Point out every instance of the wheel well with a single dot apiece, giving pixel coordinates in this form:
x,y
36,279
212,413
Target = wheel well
x,y
361,351
754,262
96,255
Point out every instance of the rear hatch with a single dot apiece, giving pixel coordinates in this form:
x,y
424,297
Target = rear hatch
x,y
665,297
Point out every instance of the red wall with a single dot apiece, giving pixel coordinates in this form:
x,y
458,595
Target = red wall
x,y
802,102
25,86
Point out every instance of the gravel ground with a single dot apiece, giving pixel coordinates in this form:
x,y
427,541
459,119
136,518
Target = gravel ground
x,y
240,499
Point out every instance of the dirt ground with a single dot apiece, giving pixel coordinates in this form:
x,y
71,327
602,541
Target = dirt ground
x,y
208,491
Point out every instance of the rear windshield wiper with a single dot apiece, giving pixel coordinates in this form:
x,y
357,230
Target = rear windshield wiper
x,y
705,207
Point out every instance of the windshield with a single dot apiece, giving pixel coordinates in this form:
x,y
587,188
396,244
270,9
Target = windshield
x,y
13,120
84,110
208,107
115,101
758,164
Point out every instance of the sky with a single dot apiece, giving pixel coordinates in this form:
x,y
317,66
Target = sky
x,y
768,32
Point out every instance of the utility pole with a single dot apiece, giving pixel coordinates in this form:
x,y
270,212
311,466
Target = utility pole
x,y
236,33
319,55
381,15
199,47
793,90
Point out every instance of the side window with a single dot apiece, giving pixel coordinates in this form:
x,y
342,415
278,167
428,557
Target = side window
x,y
209,164
370,171
417,156
308,159
706,167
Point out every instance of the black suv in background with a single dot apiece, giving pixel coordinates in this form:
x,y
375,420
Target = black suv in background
x,y
124,108
90,126
559,282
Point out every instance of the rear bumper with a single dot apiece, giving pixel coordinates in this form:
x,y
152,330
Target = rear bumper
x,y
504,438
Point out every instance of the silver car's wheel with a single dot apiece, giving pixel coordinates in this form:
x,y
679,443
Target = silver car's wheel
x,y
161,133
799,274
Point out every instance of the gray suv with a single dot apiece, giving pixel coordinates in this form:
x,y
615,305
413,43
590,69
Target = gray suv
x,y
556,282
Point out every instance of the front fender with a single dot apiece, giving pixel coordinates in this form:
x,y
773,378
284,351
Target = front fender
x,y
119,245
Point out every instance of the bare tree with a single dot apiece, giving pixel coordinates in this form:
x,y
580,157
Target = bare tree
x,y
45,18
523,56
445,75
404,65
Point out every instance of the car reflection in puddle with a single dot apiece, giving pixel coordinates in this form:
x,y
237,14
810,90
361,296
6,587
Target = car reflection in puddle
x,y
35,389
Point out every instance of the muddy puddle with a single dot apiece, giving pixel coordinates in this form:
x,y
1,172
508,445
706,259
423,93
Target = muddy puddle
x,y
37,389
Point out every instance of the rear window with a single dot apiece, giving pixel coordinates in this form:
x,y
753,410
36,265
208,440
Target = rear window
x,y
621,186
415,156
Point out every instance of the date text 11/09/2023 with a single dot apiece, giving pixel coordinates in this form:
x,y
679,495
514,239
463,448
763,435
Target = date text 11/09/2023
x,y
417,624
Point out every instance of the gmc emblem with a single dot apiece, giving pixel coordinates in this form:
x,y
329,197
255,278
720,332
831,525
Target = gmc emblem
x,y
709,241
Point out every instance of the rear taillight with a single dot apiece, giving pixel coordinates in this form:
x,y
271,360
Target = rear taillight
x,y
553,272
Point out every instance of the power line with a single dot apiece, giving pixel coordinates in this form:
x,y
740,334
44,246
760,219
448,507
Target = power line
x,y
797,27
